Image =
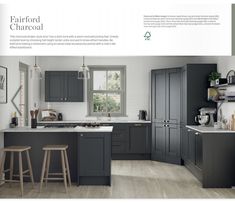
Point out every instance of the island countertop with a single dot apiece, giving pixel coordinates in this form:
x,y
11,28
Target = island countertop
x,y
76,129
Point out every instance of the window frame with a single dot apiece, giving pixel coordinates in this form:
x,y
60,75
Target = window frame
x,y
122,92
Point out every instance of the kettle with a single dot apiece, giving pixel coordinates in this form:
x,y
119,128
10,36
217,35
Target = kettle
x,y
142,115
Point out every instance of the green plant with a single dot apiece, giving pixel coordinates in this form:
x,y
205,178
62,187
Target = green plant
x,y
214,75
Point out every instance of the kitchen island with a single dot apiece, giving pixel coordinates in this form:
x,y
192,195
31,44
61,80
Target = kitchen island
x,y
209,154
89,150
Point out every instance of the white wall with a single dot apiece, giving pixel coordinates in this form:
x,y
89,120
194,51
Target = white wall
x,y
138,80
225,63
12,64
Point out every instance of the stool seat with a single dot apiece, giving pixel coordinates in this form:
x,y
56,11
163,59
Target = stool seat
x,y
16,148
48,149
55,147
12,150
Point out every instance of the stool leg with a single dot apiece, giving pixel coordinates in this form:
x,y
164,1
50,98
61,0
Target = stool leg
x,y
64,171
21,174
2,165
43,170
48,165
30,167
67,167
11,166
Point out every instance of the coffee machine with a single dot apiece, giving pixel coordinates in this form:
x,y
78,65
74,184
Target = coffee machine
x,y
206,117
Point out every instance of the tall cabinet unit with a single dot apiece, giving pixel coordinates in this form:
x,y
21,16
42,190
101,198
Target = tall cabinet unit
x,y
166,111
194,96
176,96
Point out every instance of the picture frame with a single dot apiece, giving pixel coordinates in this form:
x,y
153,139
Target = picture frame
x,y
3,85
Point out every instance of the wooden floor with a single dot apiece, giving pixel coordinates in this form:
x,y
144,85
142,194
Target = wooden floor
x,y
130,179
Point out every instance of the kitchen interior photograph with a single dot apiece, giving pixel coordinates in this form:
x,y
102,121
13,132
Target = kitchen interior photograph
x,y
117,127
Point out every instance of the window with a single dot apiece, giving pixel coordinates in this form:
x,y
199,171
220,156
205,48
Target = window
x,y
107,91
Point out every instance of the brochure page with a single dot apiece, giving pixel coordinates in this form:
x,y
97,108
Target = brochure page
x,y
117,100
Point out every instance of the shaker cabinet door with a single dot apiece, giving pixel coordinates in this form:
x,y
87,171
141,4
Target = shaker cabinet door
x,y
158,142
158,96
54,86
94,152
74,87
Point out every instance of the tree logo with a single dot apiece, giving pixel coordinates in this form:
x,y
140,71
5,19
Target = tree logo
x,y
147,35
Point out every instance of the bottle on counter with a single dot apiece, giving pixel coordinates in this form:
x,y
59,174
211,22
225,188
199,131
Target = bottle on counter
x,y
14,119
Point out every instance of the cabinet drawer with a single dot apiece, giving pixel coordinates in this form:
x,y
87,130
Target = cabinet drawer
x,y
119,136
118,147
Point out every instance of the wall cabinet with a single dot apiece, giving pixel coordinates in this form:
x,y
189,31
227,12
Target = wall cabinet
x,y
63,86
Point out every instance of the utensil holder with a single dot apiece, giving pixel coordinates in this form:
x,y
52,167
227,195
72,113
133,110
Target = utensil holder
x,y
33,123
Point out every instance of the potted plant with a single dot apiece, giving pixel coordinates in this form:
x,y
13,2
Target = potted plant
x,y
213,77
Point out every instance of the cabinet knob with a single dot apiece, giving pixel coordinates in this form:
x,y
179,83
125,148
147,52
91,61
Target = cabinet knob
x,y
196,133
138,124
164,125
168,121
65,99
189,130
164,121
81,135
167,125
61,99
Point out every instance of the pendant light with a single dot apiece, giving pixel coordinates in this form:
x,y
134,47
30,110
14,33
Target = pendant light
x,y
37,68
83,71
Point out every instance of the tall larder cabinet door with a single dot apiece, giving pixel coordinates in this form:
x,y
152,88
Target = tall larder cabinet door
x,y
158,96
158,142
173,96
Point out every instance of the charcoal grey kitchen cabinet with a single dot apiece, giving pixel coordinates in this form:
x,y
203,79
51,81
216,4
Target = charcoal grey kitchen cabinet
x,y
191,146
198,151
158,142
131,141
119,138
184,142
194,160
166,114
94,158
139,139
63,86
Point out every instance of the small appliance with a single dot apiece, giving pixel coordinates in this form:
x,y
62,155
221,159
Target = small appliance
x,y
60,117
142,115
206,117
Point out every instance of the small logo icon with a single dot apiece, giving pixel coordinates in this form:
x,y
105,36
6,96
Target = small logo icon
x,y
147,35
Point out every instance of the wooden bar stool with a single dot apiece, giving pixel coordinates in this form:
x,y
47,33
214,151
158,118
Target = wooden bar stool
x,y
46,165
22,173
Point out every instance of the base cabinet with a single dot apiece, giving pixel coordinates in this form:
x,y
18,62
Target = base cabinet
x,y
94,159
211,158
131,141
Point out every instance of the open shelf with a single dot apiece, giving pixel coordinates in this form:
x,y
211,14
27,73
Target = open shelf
x,y
223,86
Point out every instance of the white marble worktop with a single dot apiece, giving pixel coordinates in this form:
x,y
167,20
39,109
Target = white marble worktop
x,y
76,129
205,129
